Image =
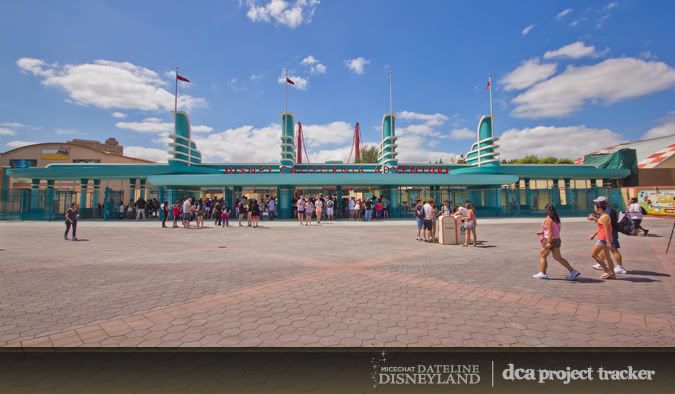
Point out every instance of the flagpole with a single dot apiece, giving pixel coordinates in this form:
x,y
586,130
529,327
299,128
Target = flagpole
x,y
175,95
492,117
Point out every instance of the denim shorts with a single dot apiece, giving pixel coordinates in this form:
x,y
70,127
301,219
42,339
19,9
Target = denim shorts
x,y
601,242
420,223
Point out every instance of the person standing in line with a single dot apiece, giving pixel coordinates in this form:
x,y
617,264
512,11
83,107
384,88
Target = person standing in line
x,y
419,219
225,214
428,217
357,210
187,212
199,214
255,213
369,210
614,244
385,207
445,209
216,213
635,215
165,213
272,208
72,214
470,225
550,244
121,210
301,209
140,208
242,211
378,209
600,251
318,207
352,203
330,209
176,213
309,211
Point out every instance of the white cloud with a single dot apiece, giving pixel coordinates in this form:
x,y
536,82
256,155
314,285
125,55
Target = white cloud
x,y
575,50
665,128
156,125
282,12
610,81
329,133
527,74
429,119
357,65
108,84
648,55
66,131
309,60
420,149
141,152
462,134
19,144
563,142
5,132
119,115
300,82
12,124
527,30
563,13
313,64
255,77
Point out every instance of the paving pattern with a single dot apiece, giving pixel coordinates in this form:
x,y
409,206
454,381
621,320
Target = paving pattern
x,y
338,284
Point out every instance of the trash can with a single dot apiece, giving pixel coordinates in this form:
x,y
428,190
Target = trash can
x,y
448,230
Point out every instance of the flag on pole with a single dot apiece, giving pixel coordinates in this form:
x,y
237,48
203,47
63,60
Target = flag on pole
x,y
288,80
489,82
181,78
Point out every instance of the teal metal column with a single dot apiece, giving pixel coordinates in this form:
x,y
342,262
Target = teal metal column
x,y
50,199
394,206
132,189
96,196
4,185
35,194
555,194
528,194
568,192
84,183
285,202
338,197
229,196
288,153
142,191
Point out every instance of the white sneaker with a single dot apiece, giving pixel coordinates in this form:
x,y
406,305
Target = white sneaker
x,y
573,275
619,270
598,267
540,275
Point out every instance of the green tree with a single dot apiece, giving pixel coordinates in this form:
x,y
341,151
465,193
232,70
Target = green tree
x,y
534,159
368,154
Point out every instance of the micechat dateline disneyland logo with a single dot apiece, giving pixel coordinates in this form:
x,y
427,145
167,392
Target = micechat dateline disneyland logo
x,y
426,374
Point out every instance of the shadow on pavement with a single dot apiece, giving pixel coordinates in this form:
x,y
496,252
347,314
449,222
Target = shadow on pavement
x,y
649,273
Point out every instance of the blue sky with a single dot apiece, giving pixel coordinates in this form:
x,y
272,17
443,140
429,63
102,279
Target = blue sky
x,y
568,77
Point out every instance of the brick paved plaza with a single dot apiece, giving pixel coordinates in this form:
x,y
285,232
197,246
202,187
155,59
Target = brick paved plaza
x,y
339,284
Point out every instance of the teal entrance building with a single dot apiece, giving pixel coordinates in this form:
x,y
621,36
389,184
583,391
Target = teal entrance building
x,y
495,189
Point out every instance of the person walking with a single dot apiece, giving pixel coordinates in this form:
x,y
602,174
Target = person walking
x,y
470,225
550,244
419,219
614,245
301,209
176,214
635,215
428,217
217,220
72,214
199,214
600,251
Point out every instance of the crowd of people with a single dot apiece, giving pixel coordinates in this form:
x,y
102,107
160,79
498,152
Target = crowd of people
x,y
244,210
139,209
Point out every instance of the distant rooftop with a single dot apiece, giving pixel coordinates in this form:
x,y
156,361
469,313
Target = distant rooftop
x,y
650,153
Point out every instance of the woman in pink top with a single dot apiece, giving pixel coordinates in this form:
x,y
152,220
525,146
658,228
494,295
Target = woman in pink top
x,y
550,244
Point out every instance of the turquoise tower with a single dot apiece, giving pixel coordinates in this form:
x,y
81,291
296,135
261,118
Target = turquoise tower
x,y
183,150
386,155
287,143
483,151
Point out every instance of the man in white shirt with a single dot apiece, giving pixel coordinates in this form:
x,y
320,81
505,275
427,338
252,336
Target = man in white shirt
x,y
272,208
635,214
187,212
428,217
352,211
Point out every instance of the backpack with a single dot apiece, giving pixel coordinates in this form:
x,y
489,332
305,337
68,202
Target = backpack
x,y
419,212
625,224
